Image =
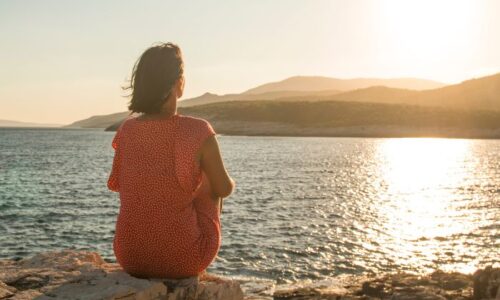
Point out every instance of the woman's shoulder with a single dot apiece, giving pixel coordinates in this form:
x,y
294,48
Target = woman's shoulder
x,y
125,122
197,129
194,122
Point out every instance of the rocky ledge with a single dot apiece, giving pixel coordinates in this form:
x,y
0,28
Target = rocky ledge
x,y
69,274
439,285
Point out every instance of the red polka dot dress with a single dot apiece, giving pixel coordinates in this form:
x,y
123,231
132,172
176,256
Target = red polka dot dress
x,y
167,226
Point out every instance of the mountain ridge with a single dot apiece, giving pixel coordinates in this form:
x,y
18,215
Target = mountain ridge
x,y
318,83
14,123
478,94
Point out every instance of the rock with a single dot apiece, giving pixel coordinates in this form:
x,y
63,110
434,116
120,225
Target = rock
x,y
324,289
228,290
26,295
30,281
487,283
257,288
6,291
65,260
451,281
69,274
107,288
210,287
402,280
417,295
376,289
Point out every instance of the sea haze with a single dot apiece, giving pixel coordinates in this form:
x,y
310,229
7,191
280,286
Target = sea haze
x,y
303,207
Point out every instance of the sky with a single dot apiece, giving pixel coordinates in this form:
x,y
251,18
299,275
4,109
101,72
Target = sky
x,y
63,61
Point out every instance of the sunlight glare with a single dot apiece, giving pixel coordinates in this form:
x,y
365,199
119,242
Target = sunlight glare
x,y
417,164
428,30
418,203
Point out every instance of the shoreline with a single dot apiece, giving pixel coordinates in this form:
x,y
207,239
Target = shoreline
x,y
289,130
282,129
70,273
276,129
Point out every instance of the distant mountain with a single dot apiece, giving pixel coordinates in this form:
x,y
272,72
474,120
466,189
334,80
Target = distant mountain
x,y
203,99
104,121
375,94
482,95
297,95
11,123
317,83
476,94
101,121
339,118
306,87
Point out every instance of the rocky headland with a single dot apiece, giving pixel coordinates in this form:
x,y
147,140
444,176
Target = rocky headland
x,y
70,274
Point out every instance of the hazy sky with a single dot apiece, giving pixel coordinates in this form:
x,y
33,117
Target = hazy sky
x,y
62,61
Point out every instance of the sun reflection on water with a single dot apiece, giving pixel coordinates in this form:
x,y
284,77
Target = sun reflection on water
x,y
419,201
412,165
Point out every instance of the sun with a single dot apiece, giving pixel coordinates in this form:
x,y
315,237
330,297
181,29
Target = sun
x,y
427,30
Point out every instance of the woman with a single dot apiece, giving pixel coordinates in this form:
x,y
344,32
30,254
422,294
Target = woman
x,y
170,176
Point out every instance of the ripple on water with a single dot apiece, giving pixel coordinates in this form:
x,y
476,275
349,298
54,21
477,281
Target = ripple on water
x,y
303,207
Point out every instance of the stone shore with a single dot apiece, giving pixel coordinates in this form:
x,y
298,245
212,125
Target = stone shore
x,y
70,274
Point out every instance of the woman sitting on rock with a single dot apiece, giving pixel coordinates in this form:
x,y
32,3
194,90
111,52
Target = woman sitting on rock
x,y
169,174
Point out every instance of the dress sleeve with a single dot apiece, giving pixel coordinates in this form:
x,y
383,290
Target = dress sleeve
x,y
116,139
205,131
113,180
191,136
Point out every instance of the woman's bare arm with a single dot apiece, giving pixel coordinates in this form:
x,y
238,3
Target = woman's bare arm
x,y
211,163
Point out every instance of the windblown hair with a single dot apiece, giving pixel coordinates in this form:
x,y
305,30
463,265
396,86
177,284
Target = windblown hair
x,y
153,77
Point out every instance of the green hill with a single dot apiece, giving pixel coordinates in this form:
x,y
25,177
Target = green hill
x,y
468,109
99,121
481,93
475,94
291,95
338,118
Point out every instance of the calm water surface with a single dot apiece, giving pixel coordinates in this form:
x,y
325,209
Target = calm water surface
x,y
303,207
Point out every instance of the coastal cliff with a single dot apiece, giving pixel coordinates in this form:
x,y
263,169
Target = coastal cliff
x,y
70,274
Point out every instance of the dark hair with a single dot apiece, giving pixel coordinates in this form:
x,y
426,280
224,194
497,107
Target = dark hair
x,y
153,76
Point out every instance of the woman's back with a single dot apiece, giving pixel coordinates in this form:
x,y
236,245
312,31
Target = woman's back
x,y
164,228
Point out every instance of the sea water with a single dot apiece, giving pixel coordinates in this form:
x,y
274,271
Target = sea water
x,y
303,207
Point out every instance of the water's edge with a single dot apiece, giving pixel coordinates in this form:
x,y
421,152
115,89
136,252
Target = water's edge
x,y
69,272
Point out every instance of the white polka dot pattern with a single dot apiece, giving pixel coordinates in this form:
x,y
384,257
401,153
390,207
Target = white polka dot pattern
x,y
165,227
